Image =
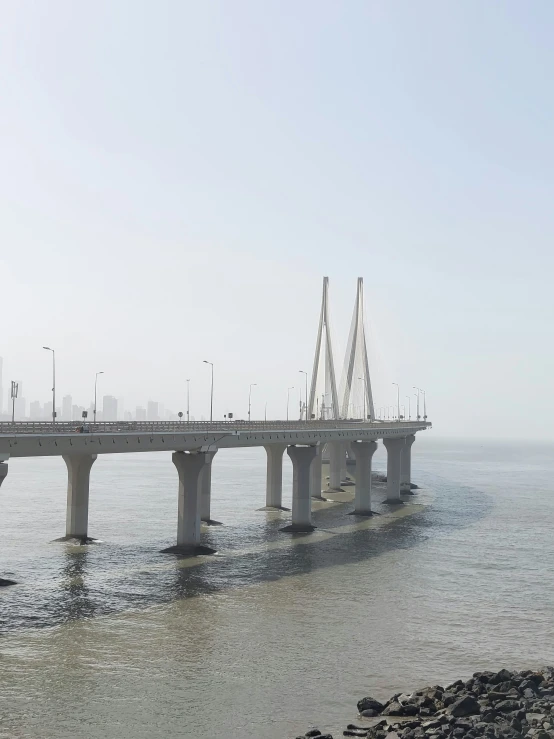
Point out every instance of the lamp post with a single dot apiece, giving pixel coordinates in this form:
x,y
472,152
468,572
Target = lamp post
x,y
188,400
409,407
252,384
13,395
417,394
306,404
424,406
212,390
48,349
95,384
397,400
288,397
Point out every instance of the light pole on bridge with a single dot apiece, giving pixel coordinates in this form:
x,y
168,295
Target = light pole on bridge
x,y
95,384
53,383
252,384
288,397
417,394
212,390
188,400
306,403
424,406
409,407
397,400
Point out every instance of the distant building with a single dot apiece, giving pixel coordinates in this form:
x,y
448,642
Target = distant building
x,y
66,408
140,414
47,411
152,413
35,411
109,408
77,412
127,416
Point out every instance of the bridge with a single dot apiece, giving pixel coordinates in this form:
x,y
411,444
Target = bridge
x,y
329,426
194,446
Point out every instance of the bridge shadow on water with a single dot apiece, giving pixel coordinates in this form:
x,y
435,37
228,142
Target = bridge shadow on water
x,y
105,579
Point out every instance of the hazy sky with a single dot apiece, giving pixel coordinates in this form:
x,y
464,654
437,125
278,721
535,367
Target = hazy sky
x,y
177,177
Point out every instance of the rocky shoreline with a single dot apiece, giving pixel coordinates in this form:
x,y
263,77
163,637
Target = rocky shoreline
x,y
496,705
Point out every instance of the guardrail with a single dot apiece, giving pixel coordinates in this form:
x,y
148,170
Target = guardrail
x,y
111,427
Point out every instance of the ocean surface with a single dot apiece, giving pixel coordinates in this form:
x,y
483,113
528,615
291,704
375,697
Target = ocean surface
x,y
276,633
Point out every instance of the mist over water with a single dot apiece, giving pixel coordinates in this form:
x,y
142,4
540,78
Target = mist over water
x,y
274,633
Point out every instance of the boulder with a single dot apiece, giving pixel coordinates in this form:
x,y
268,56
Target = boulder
x,y
500,677
313,732
466,706
370,703
508,706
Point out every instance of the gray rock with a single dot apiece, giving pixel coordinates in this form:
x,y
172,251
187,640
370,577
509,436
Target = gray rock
x,y
466,706
370,703
313,732
508,706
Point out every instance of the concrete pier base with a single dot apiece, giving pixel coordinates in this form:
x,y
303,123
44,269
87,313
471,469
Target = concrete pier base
x,y
302,458
274,478
363,452
406,466
78,479
394,447
335,465
206,492
3,472
190,466
316,471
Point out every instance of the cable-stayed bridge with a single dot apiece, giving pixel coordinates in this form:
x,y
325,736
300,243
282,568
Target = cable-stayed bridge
x,y
331,422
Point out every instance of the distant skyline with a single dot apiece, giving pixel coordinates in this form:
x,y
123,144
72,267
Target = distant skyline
x,y
176,179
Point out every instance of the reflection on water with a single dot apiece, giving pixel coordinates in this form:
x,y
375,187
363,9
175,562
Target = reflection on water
x,y
276,631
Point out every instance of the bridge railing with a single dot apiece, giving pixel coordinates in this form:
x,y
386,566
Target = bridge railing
x,y
107,427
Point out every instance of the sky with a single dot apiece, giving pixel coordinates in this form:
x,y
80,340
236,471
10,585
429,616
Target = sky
x,y
177,177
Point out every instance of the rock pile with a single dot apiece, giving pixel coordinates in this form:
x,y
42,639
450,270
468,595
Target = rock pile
x,y
495,705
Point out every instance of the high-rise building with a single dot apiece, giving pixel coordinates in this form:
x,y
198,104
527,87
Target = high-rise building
x,y
20,404
140,413
109,408
152,413
47,411
77,412
66,408
35,411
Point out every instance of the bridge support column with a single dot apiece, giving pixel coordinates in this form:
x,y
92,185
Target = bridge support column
x,y
3,472
394,447
363,452
78,478
335,465
190,466
302,458
316,475
206,491
406,466
274,480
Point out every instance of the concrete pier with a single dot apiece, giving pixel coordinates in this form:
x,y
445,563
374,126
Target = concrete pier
x,y
190,467
274,480
316,475
78,478
394,447
206,491
335,465
406,466
3,472
302,458
363,452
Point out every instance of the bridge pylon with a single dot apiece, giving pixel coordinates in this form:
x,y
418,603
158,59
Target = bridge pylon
x,y
326,404
356,398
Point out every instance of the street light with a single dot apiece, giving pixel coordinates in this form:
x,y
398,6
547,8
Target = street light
x,y
53,383
252,384
95,384
418,392
363,380
306,405
409,407
212,390
288,396
188,400
424,406
397,400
